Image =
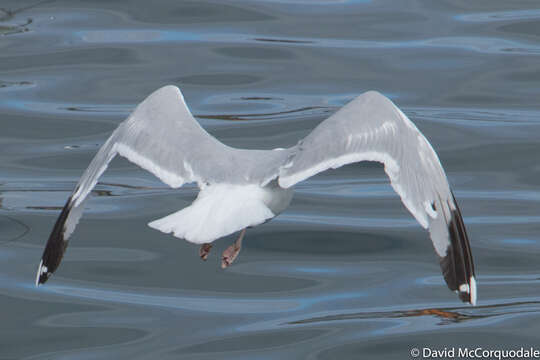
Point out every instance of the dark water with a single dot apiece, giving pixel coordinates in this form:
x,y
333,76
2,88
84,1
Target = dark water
x,y
345,273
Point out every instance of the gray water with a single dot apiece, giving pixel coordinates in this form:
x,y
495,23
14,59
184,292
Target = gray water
x,y
345,272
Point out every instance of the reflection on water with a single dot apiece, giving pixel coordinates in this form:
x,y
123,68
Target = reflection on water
x,y
12,229
7,16
446,316
346,272
264,116
4,84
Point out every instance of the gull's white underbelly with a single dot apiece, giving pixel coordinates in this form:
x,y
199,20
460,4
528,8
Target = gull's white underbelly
x,y
223,209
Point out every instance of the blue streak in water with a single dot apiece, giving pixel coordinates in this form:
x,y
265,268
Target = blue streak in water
x,y
500,16
211,304
480,44
315,270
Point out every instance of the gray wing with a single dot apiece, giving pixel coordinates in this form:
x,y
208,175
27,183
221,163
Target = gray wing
x,y
372,128
161,136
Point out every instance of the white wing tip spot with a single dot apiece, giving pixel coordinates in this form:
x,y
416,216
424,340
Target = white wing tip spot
x,y
473,290
41,270
469,289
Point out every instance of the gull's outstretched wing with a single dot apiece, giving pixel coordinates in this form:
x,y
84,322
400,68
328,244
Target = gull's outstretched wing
x,y
161,136
372,128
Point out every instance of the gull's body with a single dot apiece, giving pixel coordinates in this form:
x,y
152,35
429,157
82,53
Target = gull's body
x,y
244,188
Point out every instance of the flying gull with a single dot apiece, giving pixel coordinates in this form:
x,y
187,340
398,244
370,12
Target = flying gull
x,y
243,188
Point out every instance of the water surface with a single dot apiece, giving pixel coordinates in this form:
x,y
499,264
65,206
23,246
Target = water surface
x,y
345,272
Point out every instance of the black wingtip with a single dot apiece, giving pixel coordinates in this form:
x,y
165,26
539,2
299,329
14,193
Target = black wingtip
x,y
55,248
457,266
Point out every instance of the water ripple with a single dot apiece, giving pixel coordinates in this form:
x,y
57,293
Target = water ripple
x,y
223,304
346,271
488,45
497,16
446,316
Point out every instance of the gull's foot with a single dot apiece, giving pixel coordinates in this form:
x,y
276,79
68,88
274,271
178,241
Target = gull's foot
x,y
204,250
229,255
232,251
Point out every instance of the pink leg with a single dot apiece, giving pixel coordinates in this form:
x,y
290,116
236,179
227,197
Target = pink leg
x,y
204,250
230,254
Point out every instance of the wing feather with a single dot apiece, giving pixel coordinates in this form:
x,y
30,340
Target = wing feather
x,y
372,128
162,137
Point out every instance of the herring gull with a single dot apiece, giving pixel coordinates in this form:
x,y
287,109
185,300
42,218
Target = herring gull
x,y
242,188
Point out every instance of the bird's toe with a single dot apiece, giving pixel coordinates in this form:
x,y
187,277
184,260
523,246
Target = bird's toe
x,y
229,255
204,250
